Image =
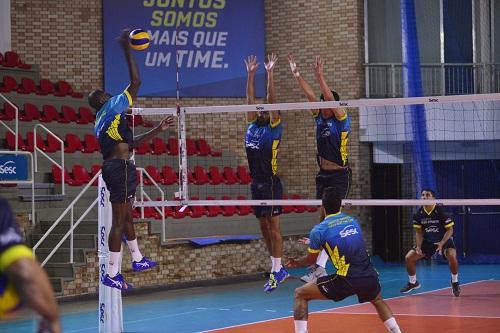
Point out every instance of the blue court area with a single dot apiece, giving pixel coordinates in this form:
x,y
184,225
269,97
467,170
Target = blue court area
x,y
206,308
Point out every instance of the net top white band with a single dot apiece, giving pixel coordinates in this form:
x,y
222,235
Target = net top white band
x,y
345,202
322,105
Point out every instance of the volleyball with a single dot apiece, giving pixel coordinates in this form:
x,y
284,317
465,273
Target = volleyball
x,y
139,39
9,298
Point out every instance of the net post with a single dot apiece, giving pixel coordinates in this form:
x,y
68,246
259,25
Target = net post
x,y
110,313
183,169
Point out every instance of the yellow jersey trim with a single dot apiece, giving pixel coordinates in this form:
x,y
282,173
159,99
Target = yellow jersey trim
x,y
344,139
274,159
334,214
344,117
129,97
449,225
429,212
417,226
112,130
338,261
273,125
13,254
312,250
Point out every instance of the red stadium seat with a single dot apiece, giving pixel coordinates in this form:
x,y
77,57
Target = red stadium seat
x,y
85,116
46,87
173,146
191,147
1,59
213,211
169,176
62,88
134,120
196,211
11,141
30,113
94,170
228,210
80,174
9,113
300,208
30,138
90,144
158,146
49,114
27,86
68,115
204,149
243,175
73,143
215,175
287,209
52,143
8,84
154,173
200,176
143,148
57,177
244,210
11,59
229,176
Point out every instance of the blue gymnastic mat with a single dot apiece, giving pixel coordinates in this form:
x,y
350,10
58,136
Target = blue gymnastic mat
x,y
223,239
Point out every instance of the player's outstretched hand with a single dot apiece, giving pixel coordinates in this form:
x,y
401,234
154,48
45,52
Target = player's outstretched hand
x,y
304,240
166,123
251,63
123,39
271,61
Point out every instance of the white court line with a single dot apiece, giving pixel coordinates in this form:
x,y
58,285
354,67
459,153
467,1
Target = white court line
x,y
411,315
340,307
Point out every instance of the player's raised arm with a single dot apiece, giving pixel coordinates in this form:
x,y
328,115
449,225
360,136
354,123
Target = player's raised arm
x,y
271,93
252,65
326,92
304,86
135,79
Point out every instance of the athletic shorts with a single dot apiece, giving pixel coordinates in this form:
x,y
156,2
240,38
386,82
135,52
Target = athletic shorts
x,y
120,178
429,249
336,287
341,180
267,190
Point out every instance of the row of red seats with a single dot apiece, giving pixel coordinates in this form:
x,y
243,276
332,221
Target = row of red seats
x,y
213,211
51,145
48,114
45,87
12,59
80,176
89,144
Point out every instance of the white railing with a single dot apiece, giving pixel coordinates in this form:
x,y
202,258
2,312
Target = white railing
x,y
16,131
143,195
74,225
386,79
36,150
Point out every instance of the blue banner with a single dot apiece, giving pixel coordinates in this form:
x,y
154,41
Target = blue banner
x,y
213,37
13,167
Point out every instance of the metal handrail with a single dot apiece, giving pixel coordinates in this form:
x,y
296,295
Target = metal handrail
x,y
16,145
143,194
70,208
36,149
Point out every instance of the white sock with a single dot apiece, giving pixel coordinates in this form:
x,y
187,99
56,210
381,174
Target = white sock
x,y
412,278
276,265
454,278
113,264
134,250
392,325
272,262
322,259
300,326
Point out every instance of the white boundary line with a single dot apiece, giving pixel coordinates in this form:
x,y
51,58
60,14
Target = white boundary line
x,y
412,315
341,307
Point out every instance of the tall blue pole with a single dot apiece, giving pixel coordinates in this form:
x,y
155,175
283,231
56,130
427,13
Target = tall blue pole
x,y
424,172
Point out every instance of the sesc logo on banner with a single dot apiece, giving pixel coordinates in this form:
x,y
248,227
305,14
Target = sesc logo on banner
x,y
13,167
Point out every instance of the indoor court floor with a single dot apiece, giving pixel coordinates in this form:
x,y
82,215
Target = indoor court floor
x,y
244,307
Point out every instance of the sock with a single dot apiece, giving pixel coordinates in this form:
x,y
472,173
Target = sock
x,y
322,259
392,325
412,279
276,265
272,262
300,326
134,250
113,264
454,277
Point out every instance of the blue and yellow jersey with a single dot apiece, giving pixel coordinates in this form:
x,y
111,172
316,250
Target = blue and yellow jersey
x,y
332,136
111,125
340,235
262,144
12,248
433,224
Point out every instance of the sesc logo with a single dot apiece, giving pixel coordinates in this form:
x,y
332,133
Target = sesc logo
x,y
103,270
8,168
102,194
259,108
103,236
102,307
348,231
